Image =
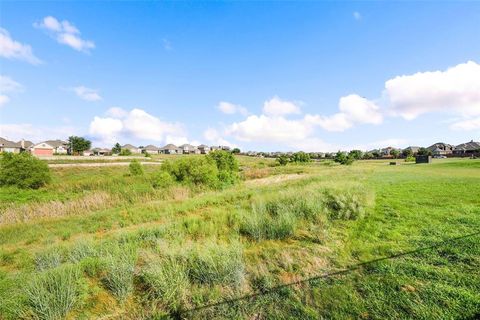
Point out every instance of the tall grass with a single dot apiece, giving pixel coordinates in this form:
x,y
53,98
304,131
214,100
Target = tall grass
x,y
216,264
52,294
48,259
166,280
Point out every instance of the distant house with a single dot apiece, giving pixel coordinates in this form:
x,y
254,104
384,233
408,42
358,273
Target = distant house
x,y
42,149
101,152
59,146
441,149
204,149
467,148
170,149
151,149
9,146
187,148
87,153
413,149
386,152
132,148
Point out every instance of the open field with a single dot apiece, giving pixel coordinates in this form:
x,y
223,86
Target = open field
x,y
113,246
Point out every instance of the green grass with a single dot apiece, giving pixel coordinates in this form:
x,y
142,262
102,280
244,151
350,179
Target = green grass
x,y
147,252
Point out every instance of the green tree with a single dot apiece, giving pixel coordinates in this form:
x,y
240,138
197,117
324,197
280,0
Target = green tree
x,y
236,151
227,165
407,153
78,144
356,154
342,158
300,157
125,152
282,160
117,148
23,170
394,153
368,155
424,152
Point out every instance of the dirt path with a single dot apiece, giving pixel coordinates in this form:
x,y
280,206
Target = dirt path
x,y
97,164
274,179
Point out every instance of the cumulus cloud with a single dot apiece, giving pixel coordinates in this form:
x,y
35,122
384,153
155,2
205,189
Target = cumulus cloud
x,y
279,107
455,90
87,93
8,85
353,110
119,124
65,33
215,138
12,49
230,108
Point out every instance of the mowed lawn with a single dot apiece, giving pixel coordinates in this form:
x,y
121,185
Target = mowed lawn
x,y
125,249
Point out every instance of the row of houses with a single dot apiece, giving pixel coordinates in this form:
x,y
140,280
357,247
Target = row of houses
x,y
51,147
439,149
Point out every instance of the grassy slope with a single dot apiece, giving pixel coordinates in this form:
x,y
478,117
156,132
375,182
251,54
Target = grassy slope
x,y
414,206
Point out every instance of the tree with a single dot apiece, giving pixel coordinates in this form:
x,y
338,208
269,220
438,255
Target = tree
x,y
343,158
282,160
300,157
424,152
407,153
23,170
125,152
236,150
376,154
394,153
117,148
356,154
78,144
227,166
367,155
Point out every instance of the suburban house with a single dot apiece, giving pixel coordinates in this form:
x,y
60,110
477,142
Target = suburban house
x,y
15,147
204,149
151,149
187,148
467,148
132,148
170,149
386,152
59,146
42,149
441,149
413,149
101,152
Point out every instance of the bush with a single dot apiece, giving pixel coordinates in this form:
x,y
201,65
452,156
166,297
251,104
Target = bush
x,y
135,168
193,170
282,160
410,159
227,166
51,295
167,280
162,179
343,158
300,157
125,152
214,264
23,170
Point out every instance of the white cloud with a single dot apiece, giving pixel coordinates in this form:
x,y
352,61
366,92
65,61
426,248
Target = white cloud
x,y
230,108
215,138
269,129
279,107
466,125
87,93
35,133
65,33
122,125
353,110
357,15
455,90
12,49
8,85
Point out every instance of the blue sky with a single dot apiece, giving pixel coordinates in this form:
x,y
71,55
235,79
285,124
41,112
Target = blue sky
x,y
258,75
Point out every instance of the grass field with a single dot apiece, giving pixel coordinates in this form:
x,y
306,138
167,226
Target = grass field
x,y
99,243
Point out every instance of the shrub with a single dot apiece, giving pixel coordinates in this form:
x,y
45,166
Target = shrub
x,y
343,158
52,294
227,166
282,160
167,280
410,159
119,267
300,157
214,264
135,168
125,152
193,170
162,179
23,170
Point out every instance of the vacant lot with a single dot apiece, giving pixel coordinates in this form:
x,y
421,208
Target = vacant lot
x,y
98,242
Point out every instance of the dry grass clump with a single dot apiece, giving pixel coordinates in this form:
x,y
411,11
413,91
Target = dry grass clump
x,y
90,202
